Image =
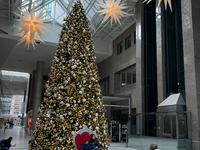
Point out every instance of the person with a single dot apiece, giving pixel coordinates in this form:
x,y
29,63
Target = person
x,y
4,126
153,147
94,144
86,146
6,144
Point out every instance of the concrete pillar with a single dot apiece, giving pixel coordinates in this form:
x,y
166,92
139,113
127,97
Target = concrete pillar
x,y
37,92
31,98
191,48
139,58
160,52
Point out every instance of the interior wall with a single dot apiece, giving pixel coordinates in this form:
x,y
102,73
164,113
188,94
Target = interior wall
x,y
115,63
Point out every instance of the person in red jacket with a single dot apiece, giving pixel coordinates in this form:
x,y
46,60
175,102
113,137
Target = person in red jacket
x,y
86,146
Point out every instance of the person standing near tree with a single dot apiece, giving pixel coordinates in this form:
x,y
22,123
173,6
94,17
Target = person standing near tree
x,y
4,125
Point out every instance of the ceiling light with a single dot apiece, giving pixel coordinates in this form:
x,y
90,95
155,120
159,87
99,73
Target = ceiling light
x,y
113,10
31,27
159,2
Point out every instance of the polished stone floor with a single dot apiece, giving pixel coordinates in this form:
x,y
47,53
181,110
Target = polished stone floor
x,y
20,138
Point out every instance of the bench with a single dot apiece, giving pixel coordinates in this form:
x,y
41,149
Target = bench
x,y
80,136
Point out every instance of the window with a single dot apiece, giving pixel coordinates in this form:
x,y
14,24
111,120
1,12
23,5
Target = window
x,y
104,83
134,37
128,76
128,42
48,11
119,48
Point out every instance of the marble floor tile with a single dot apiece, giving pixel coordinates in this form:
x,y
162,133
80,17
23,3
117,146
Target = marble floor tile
x,y
20,138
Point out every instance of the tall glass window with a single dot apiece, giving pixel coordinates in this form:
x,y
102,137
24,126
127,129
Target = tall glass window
x,y
174,64
48,10
119,48
104,83
128,76
128,42
150,66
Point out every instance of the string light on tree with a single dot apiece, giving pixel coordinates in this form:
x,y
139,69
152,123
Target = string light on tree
x,y
112,10
159,2
73,96
31,27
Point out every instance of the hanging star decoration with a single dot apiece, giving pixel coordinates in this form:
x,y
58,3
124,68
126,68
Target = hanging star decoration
x,y
159,2
31,27
113,10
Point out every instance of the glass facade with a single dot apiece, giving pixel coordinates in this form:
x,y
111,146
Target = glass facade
x,y
171,131
48,10
150,67
174,62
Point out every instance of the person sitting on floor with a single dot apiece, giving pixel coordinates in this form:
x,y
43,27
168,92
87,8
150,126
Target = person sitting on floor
x,y
86,146
94,144
6,144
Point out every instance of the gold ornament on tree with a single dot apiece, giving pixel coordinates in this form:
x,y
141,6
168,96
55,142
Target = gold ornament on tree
x,y
159,2
31,27
113,10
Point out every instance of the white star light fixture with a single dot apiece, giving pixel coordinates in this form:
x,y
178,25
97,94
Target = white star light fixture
x,y
113,10
159,1
31,27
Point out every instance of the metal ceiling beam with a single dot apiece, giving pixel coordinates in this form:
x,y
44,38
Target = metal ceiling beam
x,y
89,6
70,5
110,32
63,5
115,28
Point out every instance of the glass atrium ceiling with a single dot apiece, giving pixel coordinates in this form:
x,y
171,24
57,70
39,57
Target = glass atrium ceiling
x,y
57,10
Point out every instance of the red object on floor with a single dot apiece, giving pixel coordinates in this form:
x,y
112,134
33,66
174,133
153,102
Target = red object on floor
x,y
80,139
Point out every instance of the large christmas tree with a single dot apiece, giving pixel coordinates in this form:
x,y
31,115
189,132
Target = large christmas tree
x,y
73,96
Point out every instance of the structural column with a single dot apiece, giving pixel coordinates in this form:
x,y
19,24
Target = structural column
x,y
191,47
160,58
139,58
37,96
31,98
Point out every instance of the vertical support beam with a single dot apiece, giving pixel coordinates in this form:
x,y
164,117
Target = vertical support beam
x,y
129,101
32,91
177,126
129,121
191,33
160,58
37,92
139,58
9,12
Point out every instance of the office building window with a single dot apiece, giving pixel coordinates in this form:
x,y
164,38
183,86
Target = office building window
x,y
119,48
128,76
128,42
104,83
